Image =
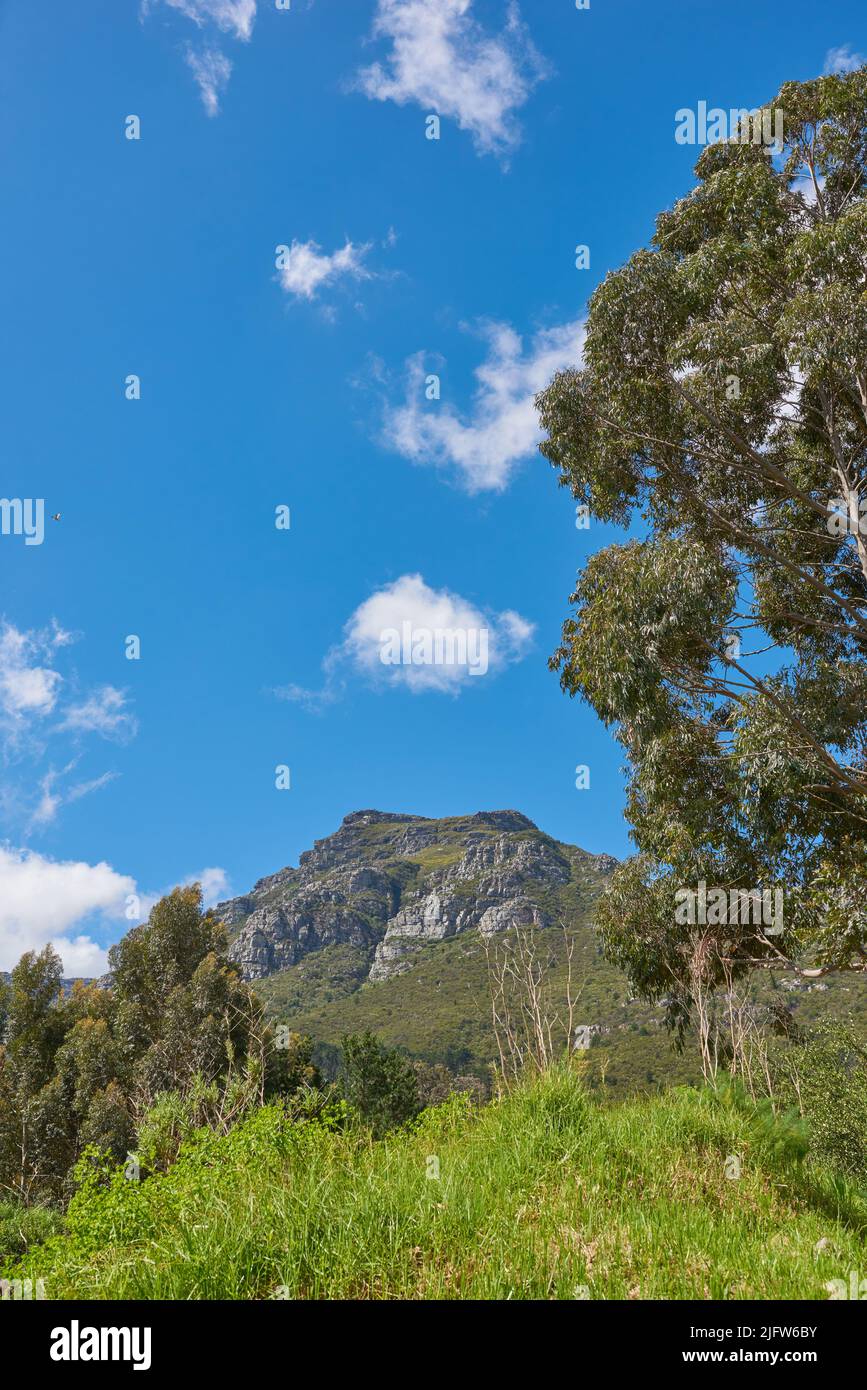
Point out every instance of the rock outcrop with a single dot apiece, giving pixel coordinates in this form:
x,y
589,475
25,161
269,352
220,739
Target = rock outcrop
x,y
392,884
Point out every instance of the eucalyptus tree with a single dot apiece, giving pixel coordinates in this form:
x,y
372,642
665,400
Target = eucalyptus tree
x,y
83,1067
721,412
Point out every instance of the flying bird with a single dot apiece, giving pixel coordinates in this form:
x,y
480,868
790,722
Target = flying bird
x,y
55,516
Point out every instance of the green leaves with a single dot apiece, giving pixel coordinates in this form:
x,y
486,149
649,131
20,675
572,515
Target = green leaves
x,y
81,1070
723,396
378,1084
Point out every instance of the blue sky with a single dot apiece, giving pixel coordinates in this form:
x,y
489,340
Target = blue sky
x,y
302,385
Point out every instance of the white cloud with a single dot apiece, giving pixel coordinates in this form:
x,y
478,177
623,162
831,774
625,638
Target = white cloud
x,y
842,59
48,805
235,17
807,185
29,688
43,900
422,639
502,428
215,885
212,70
26,687
442,60
104,712
95,784
306,269
36,708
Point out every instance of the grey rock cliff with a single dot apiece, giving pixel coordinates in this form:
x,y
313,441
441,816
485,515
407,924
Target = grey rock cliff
x,y
392,884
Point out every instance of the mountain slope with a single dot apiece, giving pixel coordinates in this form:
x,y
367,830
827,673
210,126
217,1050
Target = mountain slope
x,y
383,925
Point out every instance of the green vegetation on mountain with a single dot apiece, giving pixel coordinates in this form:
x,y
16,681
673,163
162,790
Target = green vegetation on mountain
x,y
441,1011
436,1003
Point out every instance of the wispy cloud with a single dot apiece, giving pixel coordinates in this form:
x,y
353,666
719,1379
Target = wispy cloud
x,y
444,61
38,713
48,804
842,59
215,884
306,269
391,641
26,689
29,685
94,784
53,795
235,17
104,712
485,444
210,66
212,70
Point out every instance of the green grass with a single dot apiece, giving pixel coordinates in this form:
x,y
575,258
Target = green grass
x,y
23,1227
437,857
537,1195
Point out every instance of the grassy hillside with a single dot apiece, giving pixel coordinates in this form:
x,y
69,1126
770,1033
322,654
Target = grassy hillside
x,y
543,1195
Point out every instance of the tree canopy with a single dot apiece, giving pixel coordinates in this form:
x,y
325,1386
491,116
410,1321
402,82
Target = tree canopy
x,y
86,1067
721,412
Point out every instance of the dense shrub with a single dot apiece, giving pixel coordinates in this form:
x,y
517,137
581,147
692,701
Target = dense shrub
x,y
825,1077
378,1083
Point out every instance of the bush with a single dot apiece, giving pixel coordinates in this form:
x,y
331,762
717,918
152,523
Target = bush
x,y
826,1078
378,1083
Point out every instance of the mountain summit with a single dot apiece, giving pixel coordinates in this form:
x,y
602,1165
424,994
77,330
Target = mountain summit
x,y
389,885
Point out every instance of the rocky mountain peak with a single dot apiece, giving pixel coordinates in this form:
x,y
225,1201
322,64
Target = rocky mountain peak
x,y
388,884
504,820
375,817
